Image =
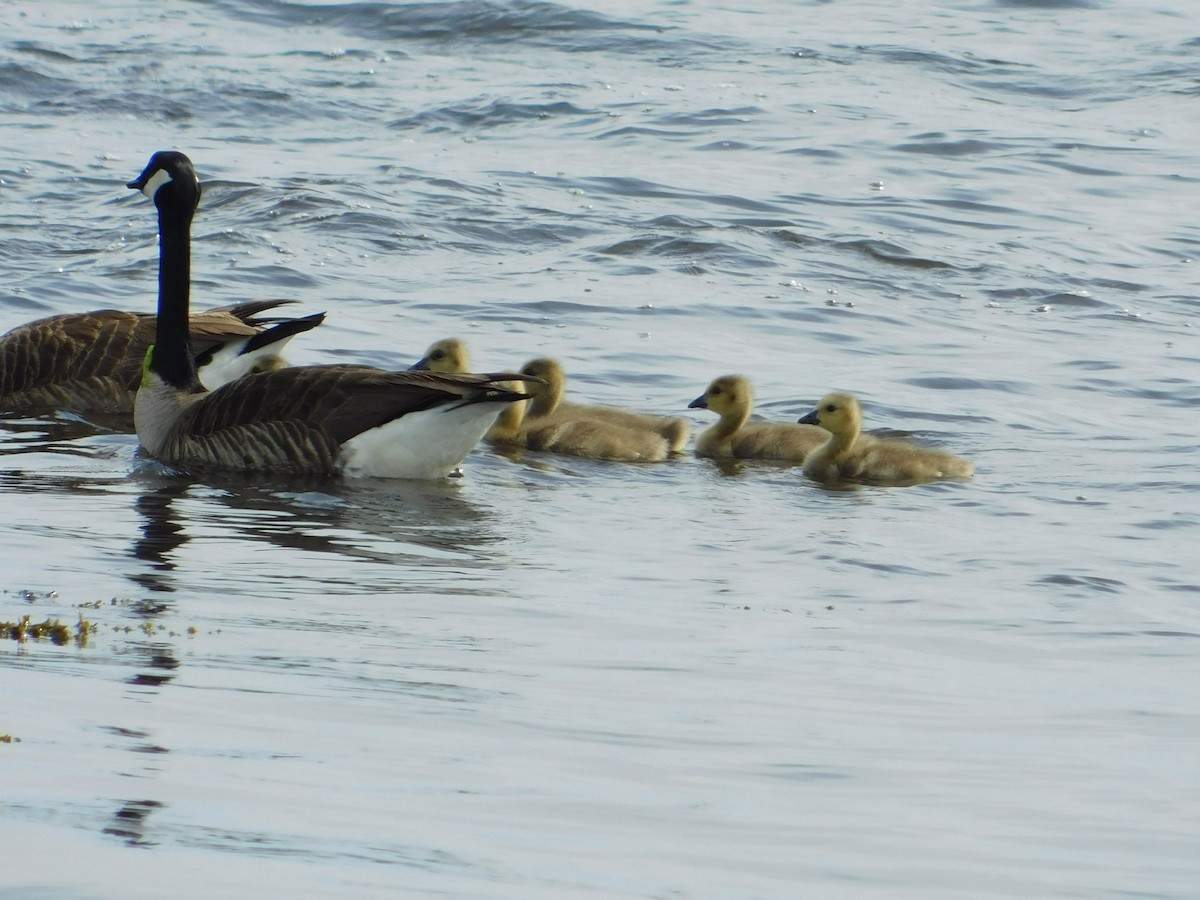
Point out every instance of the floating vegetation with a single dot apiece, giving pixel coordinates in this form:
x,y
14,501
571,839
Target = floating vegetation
x,y
55,631
52,630
9,739
58,632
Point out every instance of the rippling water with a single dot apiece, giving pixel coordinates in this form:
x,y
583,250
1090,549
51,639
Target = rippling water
x,y
556,677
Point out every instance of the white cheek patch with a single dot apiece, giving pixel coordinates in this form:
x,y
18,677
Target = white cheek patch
x,y
157,180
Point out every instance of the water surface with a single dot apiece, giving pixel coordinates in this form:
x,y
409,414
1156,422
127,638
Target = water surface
x,y
556,677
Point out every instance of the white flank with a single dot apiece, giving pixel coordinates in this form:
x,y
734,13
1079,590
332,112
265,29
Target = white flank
x,y
229,363
426,444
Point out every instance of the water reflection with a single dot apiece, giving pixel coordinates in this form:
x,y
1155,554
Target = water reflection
x,y
57,460
60,433
162,534
164,661
129,822
731,468
387,521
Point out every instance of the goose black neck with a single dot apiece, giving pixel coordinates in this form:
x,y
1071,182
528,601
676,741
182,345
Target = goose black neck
x,y
173,360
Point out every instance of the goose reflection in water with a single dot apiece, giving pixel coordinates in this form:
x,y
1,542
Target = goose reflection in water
x,y
59,433
162,534
427,522
129,822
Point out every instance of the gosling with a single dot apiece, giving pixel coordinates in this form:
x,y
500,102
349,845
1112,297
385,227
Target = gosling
x,y
449,356
849,455
548,401
732,398
562,433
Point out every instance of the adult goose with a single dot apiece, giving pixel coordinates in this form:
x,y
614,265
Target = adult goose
x,y
849,455
91,362
548,401
310,420
734,436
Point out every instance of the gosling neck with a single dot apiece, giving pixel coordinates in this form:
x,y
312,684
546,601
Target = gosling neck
x,y
732,420
549,395
507,426
838,446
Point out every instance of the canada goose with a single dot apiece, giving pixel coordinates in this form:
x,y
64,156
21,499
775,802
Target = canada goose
x,y
312,420
848,455
92,362
548,400
449,356
732,398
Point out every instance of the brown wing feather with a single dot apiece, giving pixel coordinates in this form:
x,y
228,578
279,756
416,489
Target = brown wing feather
x,y
92,362
238,320
249,310
340,401
95,354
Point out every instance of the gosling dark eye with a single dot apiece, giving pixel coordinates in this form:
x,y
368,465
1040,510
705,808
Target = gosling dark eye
x,y
715,392
829,407
439,354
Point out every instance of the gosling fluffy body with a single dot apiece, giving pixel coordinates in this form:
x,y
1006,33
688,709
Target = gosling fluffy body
x,y
548,401
849,455
595,439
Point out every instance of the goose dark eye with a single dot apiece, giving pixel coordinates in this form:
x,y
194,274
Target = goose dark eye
x,y
829,407
715,392
439,354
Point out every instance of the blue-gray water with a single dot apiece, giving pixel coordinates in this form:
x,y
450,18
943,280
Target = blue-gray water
x,y
556,678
